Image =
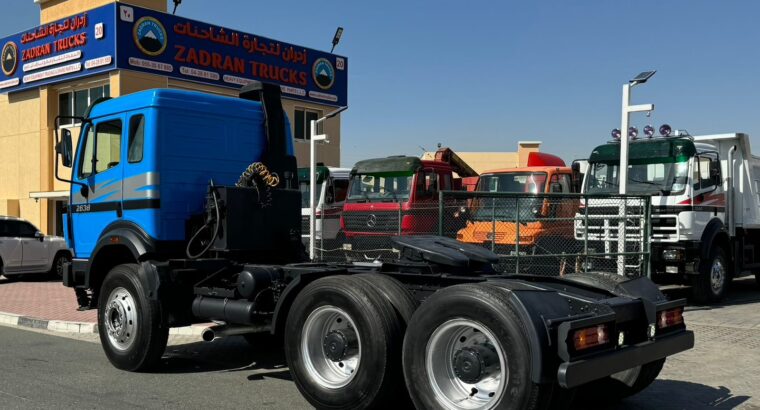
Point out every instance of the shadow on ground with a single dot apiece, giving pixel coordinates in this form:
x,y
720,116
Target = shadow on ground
x,y
679,395
233,354
742,292
29,277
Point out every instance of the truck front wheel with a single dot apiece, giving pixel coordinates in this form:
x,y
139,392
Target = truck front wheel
x,y
714,277
131,326
343,345
465,348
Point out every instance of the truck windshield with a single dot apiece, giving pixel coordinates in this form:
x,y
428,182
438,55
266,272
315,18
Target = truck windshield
x,y
304,185
513,182
658,178
506,209
380,188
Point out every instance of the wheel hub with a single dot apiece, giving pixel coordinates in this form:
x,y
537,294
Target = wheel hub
x,y
116,316
717,275
120,319
475,363
340,344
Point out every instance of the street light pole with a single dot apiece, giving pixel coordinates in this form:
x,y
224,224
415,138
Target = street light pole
x,y
313,138
627,109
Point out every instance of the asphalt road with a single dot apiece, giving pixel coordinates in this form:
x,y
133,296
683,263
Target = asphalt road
x,y
40,370
44,371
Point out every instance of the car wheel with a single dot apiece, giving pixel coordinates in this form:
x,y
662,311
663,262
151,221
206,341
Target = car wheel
x,y
56,270
618,386
131,326
343,345
465,348
714,277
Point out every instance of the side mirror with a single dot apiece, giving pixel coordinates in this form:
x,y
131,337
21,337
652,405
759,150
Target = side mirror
x,y
39,235
64,148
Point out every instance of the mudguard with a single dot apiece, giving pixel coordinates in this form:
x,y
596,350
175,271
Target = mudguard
x,y
122,234
535,307
712,232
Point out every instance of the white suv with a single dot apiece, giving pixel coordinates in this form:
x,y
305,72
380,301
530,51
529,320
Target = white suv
x,y
24,249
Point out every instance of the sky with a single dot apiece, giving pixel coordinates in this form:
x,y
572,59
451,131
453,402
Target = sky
x,y
481,76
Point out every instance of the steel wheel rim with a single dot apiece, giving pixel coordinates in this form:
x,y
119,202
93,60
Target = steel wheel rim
x,y
450,391
717,275
324,371
120,319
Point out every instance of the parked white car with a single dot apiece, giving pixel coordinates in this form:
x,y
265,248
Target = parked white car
x,y
24,249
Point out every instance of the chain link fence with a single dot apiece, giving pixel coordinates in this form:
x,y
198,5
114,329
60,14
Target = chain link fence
x,y
541,234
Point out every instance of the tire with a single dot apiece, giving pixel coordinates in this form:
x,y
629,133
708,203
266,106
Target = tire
x,y
476,324
612,389
363,373
56,270
132,341
399,297
714,278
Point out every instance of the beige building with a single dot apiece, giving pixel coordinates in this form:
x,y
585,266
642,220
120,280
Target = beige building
x,y
484,161
28,188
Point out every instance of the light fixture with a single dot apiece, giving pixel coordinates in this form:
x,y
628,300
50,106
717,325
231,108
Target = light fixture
x,y
649,131
336,38
615,134
665,130
633,132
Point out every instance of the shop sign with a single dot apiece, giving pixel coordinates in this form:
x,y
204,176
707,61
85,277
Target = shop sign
x,y
190,50
60,51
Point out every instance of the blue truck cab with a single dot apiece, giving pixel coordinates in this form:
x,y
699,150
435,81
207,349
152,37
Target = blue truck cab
x,y
142,168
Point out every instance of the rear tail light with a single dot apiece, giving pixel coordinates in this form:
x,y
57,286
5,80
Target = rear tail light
x,y
591,337
342,224
670,318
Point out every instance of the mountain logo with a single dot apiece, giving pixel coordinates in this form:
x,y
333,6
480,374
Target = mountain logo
x,y
9,58
323,73
150,36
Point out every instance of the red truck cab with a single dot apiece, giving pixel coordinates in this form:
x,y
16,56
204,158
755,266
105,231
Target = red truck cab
x,y
399,195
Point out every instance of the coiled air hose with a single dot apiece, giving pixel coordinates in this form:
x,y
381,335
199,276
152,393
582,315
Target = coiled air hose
x,y
209,221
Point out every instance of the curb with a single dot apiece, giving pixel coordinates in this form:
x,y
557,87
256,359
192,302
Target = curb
x,y
11,319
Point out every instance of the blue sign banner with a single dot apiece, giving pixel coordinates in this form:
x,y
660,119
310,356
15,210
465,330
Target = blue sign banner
x,y
177,47
77,46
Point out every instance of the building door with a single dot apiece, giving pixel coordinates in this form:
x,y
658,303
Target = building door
x,y
100,169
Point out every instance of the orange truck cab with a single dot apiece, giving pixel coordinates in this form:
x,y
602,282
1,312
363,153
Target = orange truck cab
x,y
543,227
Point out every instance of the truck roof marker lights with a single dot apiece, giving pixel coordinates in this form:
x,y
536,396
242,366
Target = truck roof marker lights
x,y
665,130
649,131
633,132
615,134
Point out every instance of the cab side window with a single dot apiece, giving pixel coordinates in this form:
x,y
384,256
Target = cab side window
x,y
560,184
103,148
136,139
341,189
706,171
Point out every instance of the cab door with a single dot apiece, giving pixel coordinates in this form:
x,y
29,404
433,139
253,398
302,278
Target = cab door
x,y
99,167
10,245
35,248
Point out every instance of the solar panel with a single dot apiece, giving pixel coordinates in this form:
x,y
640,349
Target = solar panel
x,y
642,77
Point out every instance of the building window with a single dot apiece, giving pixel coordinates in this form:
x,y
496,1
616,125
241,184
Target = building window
x,y
75,103
302,122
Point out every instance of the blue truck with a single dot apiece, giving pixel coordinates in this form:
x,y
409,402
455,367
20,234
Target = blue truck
x,y
185,208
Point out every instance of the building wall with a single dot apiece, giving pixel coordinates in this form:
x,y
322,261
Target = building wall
x,y
27,125
51,10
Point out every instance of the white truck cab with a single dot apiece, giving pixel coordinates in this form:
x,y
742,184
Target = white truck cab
x,y
332,187
705,208
24,249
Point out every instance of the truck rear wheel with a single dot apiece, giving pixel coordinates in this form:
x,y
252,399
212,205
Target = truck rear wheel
x,y
714,278
343,345
466,349
131,327
618,386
